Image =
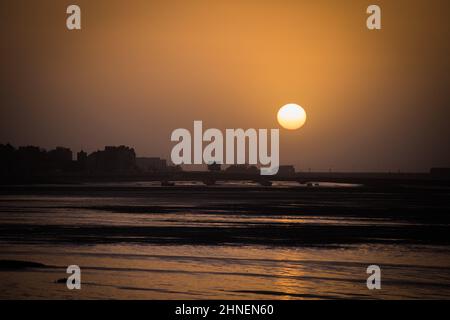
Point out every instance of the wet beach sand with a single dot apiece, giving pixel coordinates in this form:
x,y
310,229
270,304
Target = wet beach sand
x,y
236,241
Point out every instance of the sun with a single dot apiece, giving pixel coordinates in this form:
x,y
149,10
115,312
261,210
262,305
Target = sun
x,y
291,116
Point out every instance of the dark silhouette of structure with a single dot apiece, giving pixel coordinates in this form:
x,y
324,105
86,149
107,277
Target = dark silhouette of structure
x,y
31,164
286,171
7,159
117,160
152,164
32,161
60,159
82,161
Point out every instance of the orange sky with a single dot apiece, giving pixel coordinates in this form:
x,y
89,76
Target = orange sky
x,y
376,100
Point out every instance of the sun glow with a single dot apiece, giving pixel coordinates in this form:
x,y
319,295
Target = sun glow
x,y
291,116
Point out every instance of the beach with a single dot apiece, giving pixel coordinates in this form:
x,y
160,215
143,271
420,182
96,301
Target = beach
x,y
230,241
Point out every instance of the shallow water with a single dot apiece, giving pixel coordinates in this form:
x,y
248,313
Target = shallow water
x,y
201,244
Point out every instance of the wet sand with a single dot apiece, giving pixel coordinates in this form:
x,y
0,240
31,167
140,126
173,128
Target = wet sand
x,y
154,240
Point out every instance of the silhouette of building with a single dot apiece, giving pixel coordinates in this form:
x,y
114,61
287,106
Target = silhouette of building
x,y
7,159
152,164
34,161
60,154
82,157
118,160
60,159
31,160
286,171
82,161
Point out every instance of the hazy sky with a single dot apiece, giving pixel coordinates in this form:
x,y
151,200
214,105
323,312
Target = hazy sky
x,y
376,100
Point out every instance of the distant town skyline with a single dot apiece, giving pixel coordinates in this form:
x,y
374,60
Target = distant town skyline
x,y
66,159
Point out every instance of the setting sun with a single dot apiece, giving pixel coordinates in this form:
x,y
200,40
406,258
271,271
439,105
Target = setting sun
x,y
291,116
